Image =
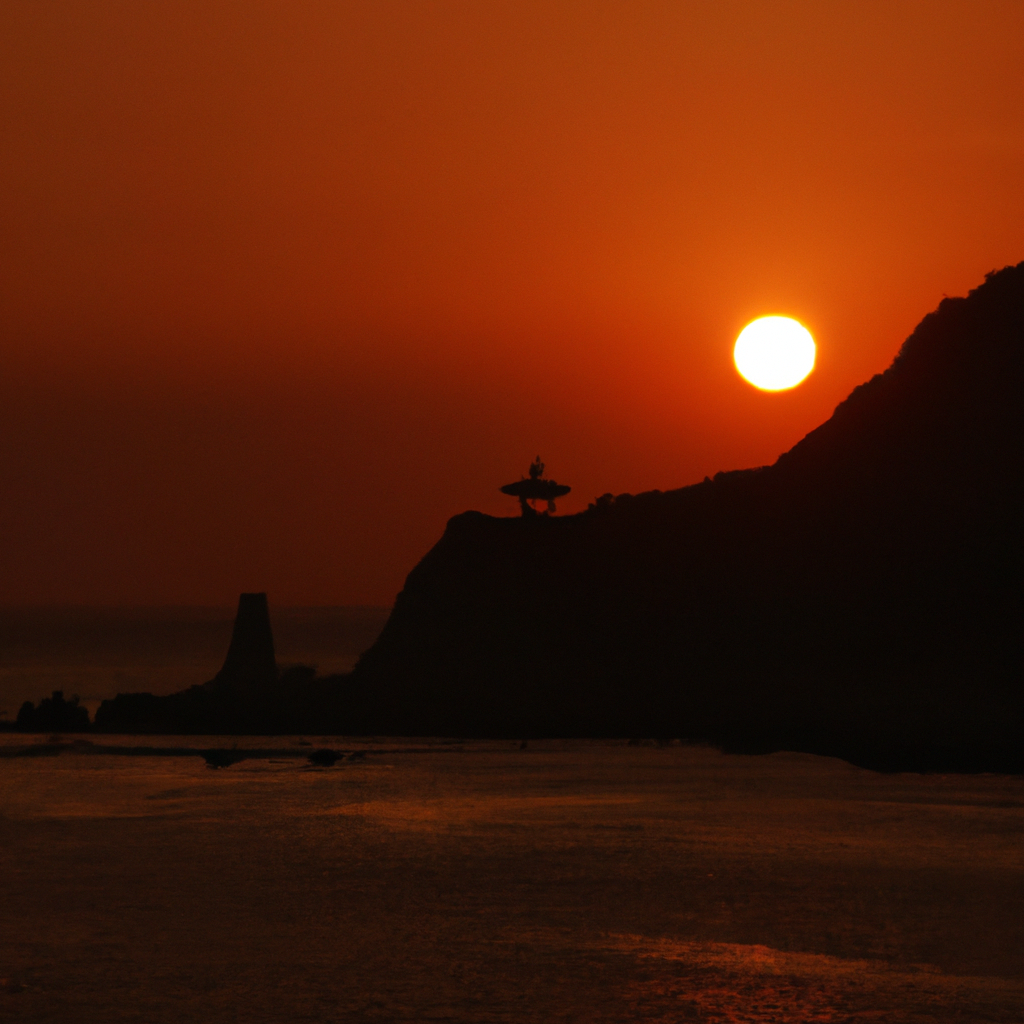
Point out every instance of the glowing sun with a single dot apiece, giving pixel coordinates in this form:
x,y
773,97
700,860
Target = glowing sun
x,y
774,353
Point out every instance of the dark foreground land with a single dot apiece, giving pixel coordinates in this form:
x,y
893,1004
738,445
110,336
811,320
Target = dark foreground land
x,y
483,882
860,598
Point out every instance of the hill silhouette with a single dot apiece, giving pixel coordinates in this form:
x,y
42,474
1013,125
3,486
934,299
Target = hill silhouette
x,y
861,597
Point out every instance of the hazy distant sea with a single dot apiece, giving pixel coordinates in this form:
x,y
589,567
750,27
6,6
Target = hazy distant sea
x,y
98,653
590,882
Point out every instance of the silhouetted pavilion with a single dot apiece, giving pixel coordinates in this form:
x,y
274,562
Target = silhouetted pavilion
x,y
536,488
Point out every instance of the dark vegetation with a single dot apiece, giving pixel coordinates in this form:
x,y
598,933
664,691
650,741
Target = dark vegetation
x,y
860,598
54,714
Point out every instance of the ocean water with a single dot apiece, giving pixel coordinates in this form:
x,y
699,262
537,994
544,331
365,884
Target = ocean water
x,y
578,881
98,653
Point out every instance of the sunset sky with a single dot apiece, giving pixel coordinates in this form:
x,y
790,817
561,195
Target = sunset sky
x,y
284,286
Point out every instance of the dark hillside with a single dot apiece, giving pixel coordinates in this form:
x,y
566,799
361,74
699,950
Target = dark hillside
x,y
861,597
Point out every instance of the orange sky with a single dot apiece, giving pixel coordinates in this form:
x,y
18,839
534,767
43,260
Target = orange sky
x,y
286,285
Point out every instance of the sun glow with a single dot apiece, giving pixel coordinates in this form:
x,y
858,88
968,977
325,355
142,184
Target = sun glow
x,y
774,353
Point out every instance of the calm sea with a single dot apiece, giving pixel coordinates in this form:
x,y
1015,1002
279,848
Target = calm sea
x,y
487,882
98,653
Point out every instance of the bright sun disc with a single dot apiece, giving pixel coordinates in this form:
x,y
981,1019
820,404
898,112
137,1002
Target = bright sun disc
x,y
774,353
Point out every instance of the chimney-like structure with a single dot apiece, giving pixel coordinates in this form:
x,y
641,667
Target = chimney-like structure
x,y
251,654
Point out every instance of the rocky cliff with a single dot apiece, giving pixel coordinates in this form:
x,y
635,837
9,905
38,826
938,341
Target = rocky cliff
x,y
860,597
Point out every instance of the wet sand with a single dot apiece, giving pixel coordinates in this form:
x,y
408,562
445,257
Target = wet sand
x,y
564,882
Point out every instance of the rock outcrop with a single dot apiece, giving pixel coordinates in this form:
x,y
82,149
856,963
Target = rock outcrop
x,y
250,657
249,695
